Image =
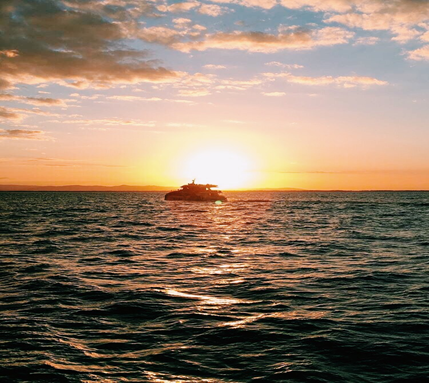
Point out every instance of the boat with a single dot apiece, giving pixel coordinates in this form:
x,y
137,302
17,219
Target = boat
x,y
196,192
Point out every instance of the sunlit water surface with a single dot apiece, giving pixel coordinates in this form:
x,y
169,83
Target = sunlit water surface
x,y
296,287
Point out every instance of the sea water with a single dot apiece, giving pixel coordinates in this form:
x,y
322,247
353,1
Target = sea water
x,y
292,286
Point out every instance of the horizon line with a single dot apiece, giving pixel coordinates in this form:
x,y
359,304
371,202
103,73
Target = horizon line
x,y
157,188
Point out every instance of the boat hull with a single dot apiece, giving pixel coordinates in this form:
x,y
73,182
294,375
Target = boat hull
x,y
209,197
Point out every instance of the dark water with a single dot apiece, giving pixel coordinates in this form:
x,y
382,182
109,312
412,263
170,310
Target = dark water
x,y
299,287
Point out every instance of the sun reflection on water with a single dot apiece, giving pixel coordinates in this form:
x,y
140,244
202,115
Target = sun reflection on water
x,y
210,300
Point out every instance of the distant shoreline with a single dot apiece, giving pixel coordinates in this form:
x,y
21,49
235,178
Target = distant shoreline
x,y
154,188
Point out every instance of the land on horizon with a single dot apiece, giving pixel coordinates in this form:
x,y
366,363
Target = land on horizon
x,y
124,188
156,188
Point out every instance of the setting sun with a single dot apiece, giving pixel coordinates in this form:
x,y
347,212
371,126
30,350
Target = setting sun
x,y
228,169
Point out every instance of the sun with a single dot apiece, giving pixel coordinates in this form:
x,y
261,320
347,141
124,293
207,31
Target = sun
x,y
226,168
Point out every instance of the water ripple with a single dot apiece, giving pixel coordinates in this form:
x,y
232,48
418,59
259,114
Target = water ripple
x,y
297,287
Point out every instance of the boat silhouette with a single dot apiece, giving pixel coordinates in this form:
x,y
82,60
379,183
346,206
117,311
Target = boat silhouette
x,y
196,192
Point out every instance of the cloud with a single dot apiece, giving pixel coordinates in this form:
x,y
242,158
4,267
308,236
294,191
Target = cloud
x,y
366,41
286,66
265,4
237,84
397,16
267,42
21,134
71,43
133,98
120,98
60,162
9,53
9,114
32,100
194,92
48,161
184,6
319,5
213,10
404,34
161,35
36,111
332,36
118,10
250,41
215,67
107,122
404,11
182,22
369,22
420,54
274,94
92,97
425,37
4,84
344,81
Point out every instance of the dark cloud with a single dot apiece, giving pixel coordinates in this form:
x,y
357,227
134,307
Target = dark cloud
x,y
48,40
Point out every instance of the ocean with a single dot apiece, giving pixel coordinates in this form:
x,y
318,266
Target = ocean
x,y
267,287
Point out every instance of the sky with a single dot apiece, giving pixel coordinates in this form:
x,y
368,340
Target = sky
x,y
309,94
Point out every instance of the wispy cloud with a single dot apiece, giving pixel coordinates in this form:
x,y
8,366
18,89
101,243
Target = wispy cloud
x,y
285,66
420,53
274,94
215,67
8,113
22,134
133,98
343,81
366,40
20,113
33,100
267,42
265,4
405,19
107,122
57,162
194,92
213,10
180,7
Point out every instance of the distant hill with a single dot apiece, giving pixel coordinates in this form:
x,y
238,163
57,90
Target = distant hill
x,y
123,188
155,188
120,188
275,189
